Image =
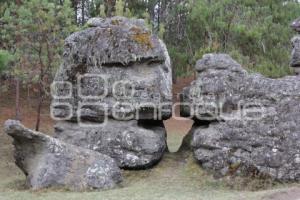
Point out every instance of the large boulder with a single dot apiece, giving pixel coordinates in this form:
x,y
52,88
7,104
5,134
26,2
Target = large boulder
x,y
113,90
245,124
115,68
132,144
48,162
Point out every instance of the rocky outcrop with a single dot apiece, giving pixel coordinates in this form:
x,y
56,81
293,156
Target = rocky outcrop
x,y
245,124
295,58
295,25
117,69
48,162
115,74
131,144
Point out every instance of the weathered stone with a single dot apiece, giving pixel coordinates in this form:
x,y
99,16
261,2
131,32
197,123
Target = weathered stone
x,y
106,22
296,25
115,75
48,162
245,123
132,144
295,58
117,69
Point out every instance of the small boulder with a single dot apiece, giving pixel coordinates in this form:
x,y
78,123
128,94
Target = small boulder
x,y
295,25
295,57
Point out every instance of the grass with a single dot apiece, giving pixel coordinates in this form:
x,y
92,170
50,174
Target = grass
x,y
166,181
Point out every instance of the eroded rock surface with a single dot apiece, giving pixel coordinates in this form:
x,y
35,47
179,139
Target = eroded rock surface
x,y
48,162
245,123
131,144
118,75
295,58
295,25
115,66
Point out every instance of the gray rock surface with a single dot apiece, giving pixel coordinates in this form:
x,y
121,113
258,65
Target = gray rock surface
x,y
245,124
117,75
48,162
295,58
118,63
132,144
295,25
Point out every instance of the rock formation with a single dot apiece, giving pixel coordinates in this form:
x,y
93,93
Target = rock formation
x,y
131,144
295,25
295,58
48,162
245,124
110,97
115,79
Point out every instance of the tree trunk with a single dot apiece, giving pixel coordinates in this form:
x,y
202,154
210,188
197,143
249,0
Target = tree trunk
x,y
18,2
28,92
42,75
18,117
38,119
158,15
82,12
110,7
75,7
151,8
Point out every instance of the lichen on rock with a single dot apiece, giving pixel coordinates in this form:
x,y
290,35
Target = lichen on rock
x,y
245,123
120,77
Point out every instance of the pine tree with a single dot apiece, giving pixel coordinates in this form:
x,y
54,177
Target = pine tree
x,y
35,31
257,33
5,58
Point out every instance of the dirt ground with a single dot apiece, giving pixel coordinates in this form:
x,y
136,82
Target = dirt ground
x,y
177,176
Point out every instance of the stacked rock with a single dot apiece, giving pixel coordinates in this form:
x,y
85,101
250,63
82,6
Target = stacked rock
x,y
295,58
245,124
113,91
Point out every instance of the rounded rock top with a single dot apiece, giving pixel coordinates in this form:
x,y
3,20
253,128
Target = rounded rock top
x,y
116,40
295,25
115,21
218,62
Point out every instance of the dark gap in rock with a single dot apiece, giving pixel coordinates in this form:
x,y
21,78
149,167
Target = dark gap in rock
x,y
147,61
150,123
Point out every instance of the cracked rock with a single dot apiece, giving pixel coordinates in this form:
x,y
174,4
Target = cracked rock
x,y
245,124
